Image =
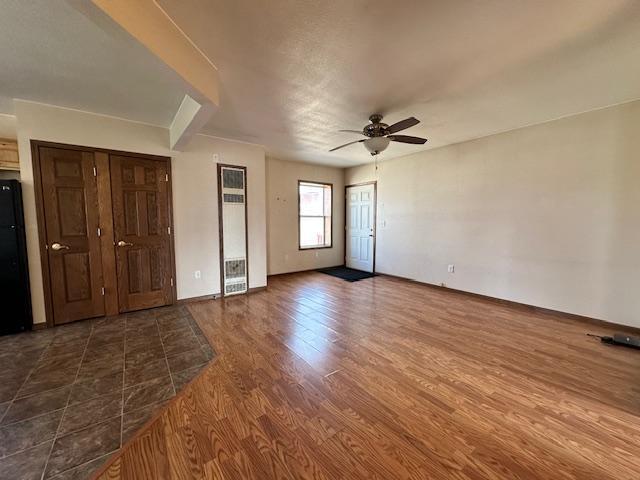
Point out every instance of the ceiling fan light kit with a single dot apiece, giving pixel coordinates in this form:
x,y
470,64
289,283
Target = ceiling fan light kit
x,y
380,134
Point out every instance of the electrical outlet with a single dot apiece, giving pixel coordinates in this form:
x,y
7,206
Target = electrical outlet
x,y
451,268
197,274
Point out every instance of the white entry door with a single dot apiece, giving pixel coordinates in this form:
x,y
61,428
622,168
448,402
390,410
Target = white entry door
x,y
360,221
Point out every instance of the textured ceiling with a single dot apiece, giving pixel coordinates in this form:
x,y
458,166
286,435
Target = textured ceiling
x,y
294,72
52,53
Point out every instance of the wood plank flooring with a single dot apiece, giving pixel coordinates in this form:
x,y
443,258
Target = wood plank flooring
x,y
317,378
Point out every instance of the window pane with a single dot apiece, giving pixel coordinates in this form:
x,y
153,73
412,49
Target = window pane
x,y
311,231
311,199
327,201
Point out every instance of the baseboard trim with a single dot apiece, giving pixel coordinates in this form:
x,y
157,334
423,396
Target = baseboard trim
x,y
201,298
532,308
39,326
302,271
214,296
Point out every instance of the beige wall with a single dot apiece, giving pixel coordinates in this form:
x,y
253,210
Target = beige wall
x,y
194,190
547,215
282,217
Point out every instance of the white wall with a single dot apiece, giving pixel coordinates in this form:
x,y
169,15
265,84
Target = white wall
x,y
547,215
282,217
7,126
194,190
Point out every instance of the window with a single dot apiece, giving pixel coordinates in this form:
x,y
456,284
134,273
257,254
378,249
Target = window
x,y
314,214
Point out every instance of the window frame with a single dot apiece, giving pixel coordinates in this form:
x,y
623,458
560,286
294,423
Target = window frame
x,y
318,184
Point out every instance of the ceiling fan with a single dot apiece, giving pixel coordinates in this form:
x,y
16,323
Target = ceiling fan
x,y
380,134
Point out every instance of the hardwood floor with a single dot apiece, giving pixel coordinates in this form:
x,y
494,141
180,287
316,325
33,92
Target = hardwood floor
x,y
322,379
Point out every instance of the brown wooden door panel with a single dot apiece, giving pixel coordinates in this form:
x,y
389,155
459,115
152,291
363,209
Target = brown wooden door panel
x,y
141,221
71,222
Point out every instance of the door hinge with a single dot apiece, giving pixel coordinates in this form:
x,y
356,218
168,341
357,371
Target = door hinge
x,y
95,172
166,177
102,290
168,230
172,281
99,232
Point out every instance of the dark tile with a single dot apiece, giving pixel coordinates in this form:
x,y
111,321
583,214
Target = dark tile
x,y
92,388
84,471
64,361
106,338
103,352
208,351
28,433
176,335
180,379
170,324
74,346
18,374
109,324
145,371
175,344
142,343
147,393
71,333
141,357
42,381
149,329
9,388
74,449
100,368
134,420
34,405
3,408
82,415
134,322
188,359
26,465
202,340
171,313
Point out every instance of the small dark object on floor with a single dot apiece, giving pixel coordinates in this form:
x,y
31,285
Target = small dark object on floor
x,y
346,273
619,339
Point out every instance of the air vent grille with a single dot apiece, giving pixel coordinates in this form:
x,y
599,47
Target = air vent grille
x,y
235,287
235,268
232,178
233,198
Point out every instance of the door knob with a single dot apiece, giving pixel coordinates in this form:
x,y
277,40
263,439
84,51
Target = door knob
x,y
56,246
122,243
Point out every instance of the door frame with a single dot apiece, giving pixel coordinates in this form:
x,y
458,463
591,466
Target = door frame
x,y
219,168
375,217
103,182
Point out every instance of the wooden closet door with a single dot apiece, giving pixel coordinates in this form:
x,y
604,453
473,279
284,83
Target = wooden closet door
x,y
141,230
73,245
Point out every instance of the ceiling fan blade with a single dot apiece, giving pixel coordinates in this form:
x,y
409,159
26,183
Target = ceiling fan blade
x,y
402,124
346,145
352,131
407,139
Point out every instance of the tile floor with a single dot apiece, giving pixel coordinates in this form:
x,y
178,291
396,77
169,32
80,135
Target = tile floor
x,y
72,395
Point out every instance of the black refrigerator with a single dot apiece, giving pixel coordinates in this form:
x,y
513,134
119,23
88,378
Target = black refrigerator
x,y
15,304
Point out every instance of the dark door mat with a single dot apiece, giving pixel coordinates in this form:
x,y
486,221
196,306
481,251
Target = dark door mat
x,y
345,273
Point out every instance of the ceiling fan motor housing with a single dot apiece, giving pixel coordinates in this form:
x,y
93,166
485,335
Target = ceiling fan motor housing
x,y
376,128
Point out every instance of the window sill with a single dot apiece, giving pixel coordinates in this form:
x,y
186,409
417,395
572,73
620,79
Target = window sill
x,y
314,248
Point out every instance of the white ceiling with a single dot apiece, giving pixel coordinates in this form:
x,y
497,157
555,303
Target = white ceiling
x,y
52,53
294,72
